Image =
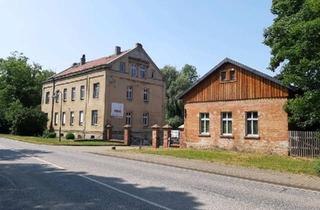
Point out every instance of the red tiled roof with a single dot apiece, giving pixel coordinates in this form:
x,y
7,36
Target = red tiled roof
x,y
90,64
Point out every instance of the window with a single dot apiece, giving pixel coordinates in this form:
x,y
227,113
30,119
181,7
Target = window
x,y
63,120
146,95
65,94
57,95
47,97
73,94
129,93
134,72
145,119
94,117
71,118
122,67
232,74
96,90
142,72
56,119
226,123
152,74
81,92
80,117
128,118
252,123
223,76
204,123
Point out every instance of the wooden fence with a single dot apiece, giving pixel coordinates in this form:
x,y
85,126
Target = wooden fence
x,y
304,143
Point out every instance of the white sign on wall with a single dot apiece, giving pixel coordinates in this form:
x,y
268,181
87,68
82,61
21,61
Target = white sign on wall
x,y
117,110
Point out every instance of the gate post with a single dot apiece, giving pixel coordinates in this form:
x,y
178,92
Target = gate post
x,y
166,135
127,135
108,132
155,136
182,137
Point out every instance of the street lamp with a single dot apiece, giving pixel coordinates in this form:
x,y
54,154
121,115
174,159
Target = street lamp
x,y
56,96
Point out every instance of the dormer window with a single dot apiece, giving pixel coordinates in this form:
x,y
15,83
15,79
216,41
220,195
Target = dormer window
x,y
223,76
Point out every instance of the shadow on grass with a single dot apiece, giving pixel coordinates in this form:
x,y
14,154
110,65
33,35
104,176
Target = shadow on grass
x,y
30,186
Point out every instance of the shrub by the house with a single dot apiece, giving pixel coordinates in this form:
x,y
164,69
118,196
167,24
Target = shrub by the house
x,y
70,136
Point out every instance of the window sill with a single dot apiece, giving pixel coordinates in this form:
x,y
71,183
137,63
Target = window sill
x,y
227,81
227,136
252,137
204,135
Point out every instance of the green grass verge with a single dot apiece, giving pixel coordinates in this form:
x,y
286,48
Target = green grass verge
x,y
262,161
55,141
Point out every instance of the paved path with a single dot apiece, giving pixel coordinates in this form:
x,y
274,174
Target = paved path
x,y
53,177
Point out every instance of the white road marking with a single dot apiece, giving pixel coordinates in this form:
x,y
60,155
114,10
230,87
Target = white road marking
x,y
104,184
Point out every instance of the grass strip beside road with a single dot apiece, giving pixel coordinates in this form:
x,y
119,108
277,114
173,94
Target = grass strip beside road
x,y
64,142
255,160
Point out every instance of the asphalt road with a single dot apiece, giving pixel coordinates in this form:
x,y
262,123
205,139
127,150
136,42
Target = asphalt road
x,y
52,177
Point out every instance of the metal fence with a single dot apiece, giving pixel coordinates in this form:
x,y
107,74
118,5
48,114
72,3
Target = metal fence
x,y
304,143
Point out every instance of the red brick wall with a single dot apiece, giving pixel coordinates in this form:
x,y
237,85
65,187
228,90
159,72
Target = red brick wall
x,y
273,125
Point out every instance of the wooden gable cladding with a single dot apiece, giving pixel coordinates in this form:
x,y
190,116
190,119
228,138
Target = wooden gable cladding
x,y
246,85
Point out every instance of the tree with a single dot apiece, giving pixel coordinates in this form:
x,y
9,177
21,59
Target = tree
x,y
20,88
176,83
294,39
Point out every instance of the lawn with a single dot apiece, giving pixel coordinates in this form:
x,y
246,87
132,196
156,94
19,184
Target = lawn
x,y
262,161
55,141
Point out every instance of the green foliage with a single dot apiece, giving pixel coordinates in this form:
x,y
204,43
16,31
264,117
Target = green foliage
x,y
176,83
20,94
317,166
29,121
48,134
295,47
70,136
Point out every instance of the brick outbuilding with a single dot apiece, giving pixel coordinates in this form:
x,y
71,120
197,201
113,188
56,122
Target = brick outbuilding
x,y
236,107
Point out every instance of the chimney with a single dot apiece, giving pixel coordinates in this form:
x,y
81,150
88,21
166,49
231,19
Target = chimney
x,y
83,59
117,50
138,45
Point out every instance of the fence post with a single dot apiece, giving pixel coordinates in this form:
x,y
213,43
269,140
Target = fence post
x,y
108,132
182,136
155,136
127,135
166,135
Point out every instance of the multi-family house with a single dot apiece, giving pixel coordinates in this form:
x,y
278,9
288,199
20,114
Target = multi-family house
x,y
124,88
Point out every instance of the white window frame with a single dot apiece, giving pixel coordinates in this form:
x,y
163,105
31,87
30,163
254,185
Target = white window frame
x,y
130,93
81,118
71,118
82,92
145,119
47,97
63,118
94,117
96,90
129,118
56,118
142,72
145,94
134,70
228,120
252,119
203,118
73,93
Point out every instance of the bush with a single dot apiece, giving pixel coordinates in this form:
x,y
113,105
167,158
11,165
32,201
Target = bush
x,y
70,136
29,122
48,134
317,166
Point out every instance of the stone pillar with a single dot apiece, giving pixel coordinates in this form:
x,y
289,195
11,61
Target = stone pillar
x,y
127,135
108,132
155,136
166,135
182,137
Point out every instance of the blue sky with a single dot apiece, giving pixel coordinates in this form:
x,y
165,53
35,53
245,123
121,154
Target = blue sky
x,y
201,33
